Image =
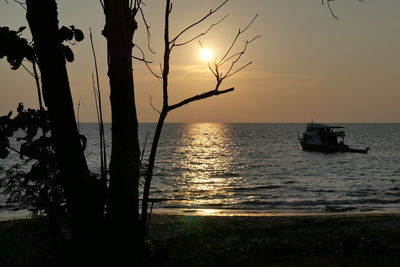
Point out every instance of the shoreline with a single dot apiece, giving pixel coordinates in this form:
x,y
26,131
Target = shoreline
x,y
265,213
7,215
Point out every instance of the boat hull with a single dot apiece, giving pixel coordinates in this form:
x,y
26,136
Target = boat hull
x,y
331,148
321,148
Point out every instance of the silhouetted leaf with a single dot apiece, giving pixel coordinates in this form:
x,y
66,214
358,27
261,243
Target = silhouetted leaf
x,y
21,29
14,47
78,35
16,62
66,34
37,190
68,54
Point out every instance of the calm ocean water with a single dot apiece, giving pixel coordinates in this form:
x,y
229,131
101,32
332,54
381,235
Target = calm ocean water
x,y
260,167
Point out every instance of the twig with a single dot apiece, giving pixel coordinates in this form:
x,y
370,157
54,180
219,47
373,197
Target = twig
x,y
39,90
239,55
33,75
147,30
203,33
212,11
240,32
151,104
144,147
100,115
143,59
77,114
330,8
22,4
19,152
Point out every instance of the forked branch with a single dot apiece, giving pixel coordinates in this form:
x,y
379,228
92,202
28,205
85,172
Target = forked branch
x,y
201,34
212,11
328,2
240,32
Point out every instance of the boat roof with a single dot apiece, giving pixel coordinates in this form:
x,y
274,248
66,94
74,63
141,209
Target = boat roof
x,y
319,125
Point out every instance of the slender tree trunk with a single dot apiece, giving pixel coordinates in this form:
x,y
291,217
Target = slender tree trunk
x,y
161,119
123,204
84,207
149,172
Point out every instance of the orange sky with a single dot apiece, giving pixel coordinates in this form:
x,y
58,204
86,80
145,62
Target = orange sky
x,y
306,65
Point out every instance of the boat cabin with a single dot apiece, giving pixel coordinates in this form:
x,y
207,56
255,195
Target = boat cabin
x,y
322,137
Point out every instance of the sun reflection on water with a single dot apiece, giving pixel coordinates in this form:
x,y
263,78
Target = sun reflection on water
x,y
206,164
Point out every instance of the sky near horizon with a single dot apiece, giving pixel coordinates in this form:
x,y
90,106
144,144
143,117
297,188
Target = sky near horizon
x,y
306,65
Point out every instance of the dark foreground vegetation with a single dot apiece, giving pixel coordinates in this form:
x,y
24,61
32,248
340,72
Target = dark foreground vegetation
x,y
232,241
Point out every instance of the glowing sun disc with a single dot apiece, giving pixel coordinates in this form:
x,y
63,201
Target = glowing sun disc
x,y
206,54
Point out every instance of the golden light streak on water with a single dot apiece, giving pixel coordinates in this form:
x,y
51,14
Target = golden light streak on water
x,y
208,157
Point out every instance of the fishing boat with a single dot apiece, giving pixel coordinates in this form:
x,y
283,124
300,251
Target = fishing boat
x,y
326,138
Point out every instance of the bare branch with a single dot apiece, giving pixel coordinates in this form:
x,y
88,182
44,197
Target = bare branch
x,y
330,8
199,97
201,34
161,68
145,61
141,59
212,11
151,104
147,30
159,78
31,73
22,4
99,109
215,74
143,55
240,32
236,71
239,55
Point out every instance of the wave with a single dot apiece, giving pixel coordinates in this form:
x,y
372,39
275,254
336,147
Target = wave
x,y
319,202
253,188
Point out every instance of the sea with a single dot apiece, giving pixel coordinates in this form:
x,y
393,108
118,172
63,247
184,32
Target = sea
x,y
260,169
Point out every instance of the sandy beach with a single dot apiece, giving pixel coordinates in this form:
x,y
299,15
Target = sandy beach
x,y
189,240
307,240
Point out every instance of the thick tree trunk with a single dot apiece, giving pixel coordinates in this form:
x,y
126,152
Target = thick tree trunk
x,y
84,207
123,204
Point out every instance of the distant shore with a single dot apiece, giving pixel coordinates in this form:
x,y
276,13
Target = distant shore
x,y
367,239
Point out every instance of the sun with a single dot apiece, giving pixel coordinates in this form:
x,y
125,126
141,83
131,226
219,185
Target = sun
x,y
206,54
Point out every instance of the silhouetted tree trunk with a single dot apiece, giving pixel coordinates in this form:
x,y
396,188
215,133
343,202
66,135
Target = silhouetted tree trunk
x,y
169,45
123,203
84,208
